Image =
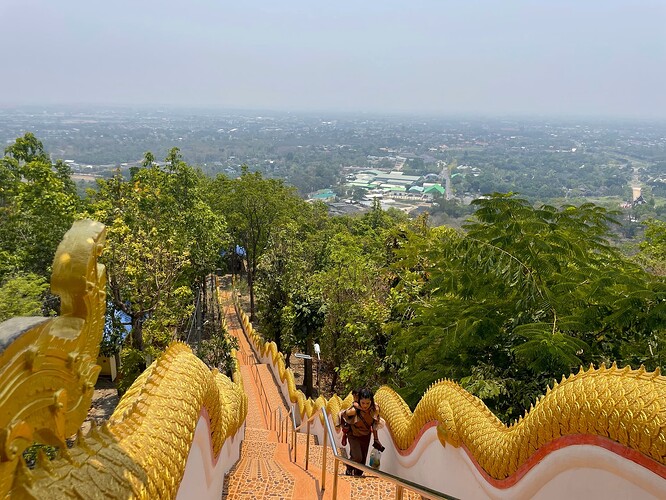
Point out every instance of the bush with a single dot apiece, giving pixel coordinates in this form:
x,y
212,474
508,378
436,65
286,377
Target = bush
x,y
216,352
132,364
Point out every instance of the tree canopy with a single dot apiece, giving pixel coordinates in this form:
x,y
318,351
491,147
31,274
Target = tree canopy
x,y
254,208
38,203
518,297
522,296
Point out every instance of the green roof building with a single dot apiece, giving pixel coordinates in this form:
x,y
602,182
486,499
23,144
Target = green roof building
x,y
323,194
434,189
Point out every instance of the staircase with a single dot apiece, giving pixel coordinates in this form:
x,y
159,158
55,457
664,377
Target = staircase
x,y
265,469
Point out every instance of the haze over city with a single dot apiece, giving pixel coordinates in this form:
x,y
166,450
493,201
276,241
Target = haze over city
x,y
567,58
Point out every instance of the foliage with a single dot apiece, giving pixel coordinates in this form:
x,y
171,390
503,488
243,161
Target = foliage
x,y
345,284
524,295
162,238
653,248
31,452
483,383
216,351
114,333
132,364
21,295
254,207
521,295
142,262
321,280
363,346
38,202
291,311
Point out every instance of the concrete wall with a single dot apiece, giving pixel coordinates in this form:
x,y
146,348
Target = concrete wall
x,y
572,472
204,473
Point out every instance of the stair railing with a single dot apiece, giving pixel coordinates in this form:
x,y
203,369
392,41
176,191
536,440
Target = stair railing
x,y
269,413
287,423
291,423
293,432
400,483
278,423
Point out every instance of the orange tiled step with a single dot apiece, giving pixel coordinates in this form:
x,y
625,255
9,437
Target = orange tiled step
x,y
369,486
257,474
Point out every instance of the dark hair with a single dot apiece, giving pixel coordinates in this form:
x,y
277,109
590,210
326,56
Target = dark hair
x,y
366,393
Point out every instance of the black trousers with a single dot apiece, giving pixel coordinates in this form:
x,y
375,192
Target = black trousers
x,y
358,450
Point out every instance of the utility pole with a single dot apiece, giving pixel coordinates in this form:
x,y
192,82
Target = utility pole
x,y
307,368
199,316
317,351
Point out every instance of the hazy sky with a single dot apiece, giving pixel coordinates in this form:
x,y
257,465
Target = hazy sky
x,y
565,57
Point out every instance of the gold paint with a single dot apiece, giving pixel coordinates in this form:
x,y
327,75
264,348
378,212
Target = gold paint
x,y
625,405
46,380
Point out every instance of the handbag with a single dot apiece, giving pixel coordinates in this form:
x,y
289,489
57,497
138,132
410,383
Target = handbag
x,y
375,458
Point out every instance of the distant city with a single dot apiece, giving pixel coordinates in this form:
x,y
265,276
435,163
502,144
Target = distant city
x,y
410,163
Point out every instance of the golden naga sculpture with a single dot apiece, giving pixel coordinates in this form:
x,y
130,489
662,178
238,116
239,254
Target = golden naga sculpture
x,y
626,406
48,366
47,374
623,405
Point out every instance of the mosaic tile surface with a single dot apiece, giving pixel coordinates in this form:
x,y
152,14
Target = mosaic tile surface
x,y
257,474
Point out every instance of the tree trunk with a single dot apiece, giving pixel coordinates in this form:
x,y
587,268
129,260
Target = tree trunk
x,y
199,316
334,381
250,285
137,331
204,296
336,359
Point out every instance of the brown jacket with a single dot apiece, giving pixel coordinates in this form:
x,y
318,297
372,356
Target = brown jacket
x,y
362,425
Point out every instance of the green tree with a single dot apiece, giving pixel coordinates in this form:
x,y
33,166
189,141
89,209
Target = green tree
x,y
22,295
216,351
523,296
254,208
322,279
290,310
38,203
344,285
653,248
162,237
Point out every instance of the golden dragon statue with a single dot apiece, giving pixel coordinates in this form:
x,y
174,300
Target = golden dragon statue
x,y
623,405
47,374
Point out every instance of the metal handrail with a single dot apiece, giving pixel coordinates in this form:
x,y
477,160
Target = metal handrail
x,y
399,482
283,430
293,432
278,412
296,428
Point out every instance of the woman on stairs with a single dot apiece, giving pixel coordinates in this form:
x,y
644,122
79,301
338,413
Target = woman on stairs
x,y
362,417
